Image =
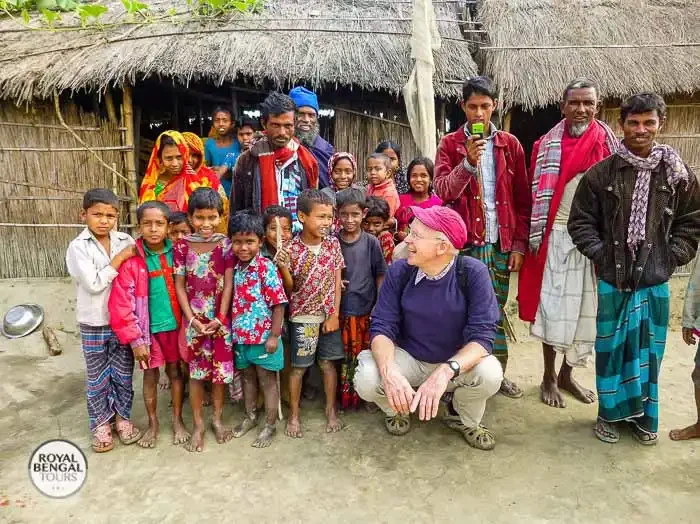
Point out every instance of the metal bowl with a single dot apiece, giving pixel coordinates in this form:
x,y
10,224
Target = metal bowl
x,y
21,320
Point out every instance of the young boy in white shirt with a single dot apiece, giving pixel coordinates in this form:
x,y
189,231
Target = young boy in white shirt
x,y
93,259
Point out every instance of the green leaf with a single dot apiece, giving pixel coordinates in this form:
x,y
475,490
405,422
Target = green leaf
x,y
25,17
66,5
50,17
92,10
171,12
48,5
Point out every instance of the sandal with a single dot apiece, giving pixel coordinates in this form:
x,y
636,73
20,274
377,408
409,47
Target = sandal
x,y
606,432
398,425
479,437
646,438
102,439
128,433
510,389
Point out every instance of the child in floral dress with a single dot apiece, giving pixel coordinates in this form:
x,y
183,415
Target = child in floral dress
x,y
203,267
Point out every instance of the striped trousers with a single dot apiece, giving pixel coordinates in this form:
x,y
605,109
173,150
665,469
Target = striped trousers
x,y
497,262
110,367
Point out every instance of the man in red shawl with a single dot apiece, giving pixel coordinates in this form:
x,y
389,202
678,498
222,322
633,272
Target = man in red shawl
x,y
277,168
556,289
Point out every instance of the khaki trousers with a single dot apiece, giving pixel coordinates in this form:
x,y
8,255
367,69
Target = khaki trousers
x,y
471,389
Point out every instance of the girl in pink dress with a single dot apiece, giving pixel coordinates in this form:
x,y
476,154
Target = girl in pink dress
x,y
420,181
203,267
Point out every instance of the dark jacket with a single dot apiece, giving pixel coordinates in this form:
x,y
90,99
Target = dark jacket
x,y
323,151
600,216
246,190
458,188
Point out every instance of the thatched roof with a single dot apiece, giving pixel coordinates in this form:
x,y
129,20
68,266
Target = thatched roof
x,y
533,78
233,46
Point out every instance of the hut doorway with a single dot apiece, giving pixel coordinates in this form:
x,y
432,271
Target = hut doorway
x,y
529,127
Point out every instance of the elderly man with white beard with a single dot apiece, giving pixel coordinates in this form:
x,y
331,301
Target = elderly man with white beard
x,y
556,288
307,131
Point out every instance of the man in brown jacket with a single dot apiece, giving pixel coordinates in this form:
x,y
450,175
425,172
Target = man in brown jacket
x,y
636,215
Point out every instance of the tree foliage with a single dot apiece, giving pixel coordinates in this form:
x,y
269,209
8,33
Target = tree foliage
x,y
92,13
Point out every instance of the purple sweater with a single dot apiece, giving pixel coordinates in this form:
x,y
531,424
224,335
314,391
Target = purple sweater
x,y
435,319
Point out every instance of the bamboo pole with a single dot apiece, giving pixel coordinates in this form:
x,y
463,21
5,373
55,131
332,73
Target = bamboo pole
x,y
128,123
52,126
57,108
57,198
506,121
61,149
109,103
372,117
12,224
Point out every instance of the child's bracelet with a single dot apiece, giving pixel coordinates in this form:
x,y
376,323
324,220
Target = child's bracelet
x,y
189,325
220,319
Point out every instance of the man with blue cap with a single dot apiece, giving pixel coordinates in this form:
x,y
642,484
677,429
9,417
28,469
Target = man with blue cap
x,y
307,131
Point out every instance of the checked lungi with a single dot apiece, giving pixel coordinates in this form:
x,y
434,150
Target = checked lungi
x,y
110,367
629,348
497,262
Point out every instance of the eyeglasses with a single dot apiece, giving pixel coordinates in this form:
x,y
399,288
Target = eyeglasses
x,y
415,236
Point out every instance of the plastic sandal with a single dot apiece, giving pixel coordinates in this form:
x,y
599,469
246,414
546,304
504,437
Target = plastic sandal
x,y
646,438
606,432
398,425
128,433
479,437
102,439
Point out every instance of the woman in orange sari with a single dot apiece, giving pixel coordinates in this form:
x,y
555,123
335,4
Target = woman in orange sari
x,y
171,179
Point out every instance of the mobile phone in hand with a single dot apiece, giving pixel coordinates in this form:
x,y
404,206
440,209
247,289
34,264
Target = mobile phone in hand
x,y
478,130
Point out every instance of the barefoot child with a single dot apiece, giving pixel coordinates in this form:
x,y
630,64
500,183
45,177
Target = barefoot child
x,y
222,150
316,266
203,264
257,313
375,223
93,259
144,314
691,332
272,217
380,183
362,277
393,151
420,181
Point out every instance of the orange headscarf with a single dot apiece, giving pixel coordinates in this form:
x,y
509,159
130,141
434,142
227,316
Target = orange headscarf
x,y
176,192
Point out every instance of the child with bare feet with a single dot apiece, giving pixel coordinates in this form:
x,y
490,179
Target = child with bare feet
x,y
93,259
257,312
178,228
204,284
316,264
144,313
362,278
277,221
691,333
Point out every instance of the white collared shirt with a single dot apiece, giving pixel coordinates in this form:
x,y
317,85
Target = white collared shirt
x,y
420,275
89,265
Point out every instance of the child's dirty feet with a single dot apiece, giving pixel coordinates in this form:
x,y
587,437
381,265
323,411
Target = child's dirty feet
x,y
265,437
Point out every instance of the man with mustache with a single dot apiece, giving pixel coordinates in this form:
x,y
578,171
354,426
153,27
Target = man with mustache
x,y
636,215
481,174
307,131
277,168
556,291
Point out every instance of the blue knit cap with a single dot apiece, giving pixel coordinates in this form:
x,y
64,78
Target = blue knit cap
x,y
304,98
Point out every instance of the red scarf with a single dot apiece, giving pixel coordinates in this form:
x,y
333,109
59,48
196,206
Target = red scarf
x,y
577,158
269,195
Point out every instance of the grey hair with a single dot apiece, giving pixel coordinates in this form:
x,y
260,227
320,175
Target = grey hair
x,y
581,83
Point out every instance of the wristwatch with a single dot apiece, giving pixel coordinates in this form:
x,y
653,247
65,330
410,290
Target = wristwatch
x,y
455,367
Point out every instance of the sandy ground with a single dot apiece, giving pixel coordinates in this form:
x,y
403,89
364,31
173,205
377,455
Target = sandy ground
x,y
547,466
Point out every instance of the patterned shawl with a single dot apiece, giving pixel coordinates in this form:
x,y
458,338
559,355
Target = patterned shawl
x,y
176,192
676,172
547,172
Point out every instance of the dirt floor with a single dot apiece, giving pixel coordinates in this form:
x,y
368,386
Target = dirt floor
x,y
547,466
